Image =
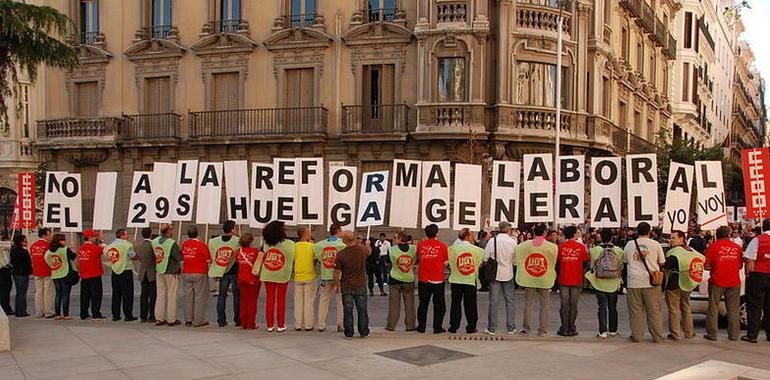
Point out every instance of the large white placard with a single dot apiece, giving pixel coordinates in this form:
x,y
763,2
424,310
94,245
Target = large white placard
x,y
184,193
72,204
504,201
52,202
104,202
209,203
342,196
606,185
678,196
374,193
642,188
140,201
261,195
310,191
405,190
570,190
711,195
237,191
538,188
163,175
467,200
285,194
435,193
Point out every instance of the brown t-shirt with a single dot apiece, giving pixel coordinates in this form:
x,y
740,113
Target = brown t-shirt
x,y
351,262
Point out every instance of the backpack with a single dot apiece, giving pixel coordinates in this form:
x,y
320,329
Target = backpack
x,y
607,265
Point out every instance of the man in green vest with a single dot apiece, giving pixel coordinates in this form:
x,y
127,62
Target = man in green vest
x,y
401,283
120,255
684,271
168,265
325,252
224,270
464,261
606,288
536,273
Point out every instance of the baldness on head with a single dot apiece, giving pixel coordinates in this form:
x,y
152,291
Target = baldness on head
x,y
348,237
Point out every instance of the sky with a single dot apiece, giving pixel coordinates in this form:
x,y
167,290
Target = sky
x,y
757,34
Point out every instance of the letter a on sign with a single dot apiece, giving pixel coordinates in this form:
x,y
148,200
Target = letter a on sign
x,y
678,195
371,205
141,198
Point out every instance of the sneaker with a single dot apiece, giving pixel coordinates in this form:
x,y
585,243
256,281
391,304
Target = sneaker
x,y
512,332
49,316
364,336
202,324
602,335
174,323
523,332
321,329
542,333
281,329
746,338
613,333
298,329
99,318
270,329
486,331
160,323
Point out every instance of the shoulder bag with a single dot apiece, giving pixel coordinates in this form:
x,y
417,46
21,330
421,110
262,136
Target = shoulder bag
x,y
656,277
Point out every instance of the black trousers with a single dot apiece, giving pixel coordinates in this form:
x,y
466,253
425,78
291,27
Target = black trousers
x,y
373,272
758,302
91,296
123,294
427,291
6,283
463,298
147,298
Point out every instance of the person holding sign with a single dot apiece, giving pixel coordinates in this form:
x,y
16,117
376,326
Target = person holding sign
x,y
120,255
91,271
724,260
536,273
58,258
304,281
44,289
684,269
432,258
464,261
325,252
757,258
168,266
644,257
403,256
224,270
248,283
195,279
605,275
572,258
276,272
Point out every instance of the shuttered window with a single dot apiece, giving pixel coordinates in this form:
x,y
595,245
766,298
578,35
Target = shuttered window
x,y
225,94
157,97
87,99
300,88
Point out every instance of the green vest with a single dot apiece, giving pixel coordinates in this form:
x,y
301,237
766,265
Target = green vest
x,y
464,262
162,252
117,255
223,254
607,285
690,267
325,251
58,262
278,263
536,266
402,263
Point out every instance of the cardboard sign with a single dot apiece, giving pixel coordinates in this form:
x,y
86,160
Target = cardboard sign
x,y
342,196
711,195
140,200
163,194
184,192
237,191
642,188
371,204
435,193
407,180
570,190
756,181
538,188
285,194
209,203
52,202
605,192
678,196
467,200
261,195
104,204
504,202
310,190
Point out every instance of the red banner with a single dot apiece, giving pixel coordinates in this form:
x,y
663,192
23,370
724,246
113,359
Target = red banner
x,y
24,213
756,182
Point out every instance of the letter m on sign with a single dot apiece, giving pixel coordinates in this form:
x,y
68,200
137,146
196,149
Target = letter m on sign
x,y
756,181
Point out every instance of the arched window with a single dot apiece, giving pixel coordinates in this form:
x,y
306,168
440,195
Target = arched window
x,y
452,65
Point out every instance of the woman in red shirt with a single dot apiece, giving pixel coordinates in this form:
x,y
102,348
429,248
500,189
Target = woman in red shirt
x,y
248,283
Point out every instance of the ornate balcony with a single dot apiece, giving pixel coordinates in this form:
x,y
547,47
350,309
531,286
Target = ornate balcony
x,y
379,120
79,131
268,123
541,18
225,26
533,122
450,117
310,20
158,32
670,50
151,127
451,12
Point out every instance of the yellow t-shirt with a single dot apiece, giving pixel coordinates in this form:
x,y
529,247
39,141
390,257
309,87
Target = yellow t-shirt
x,y
304,269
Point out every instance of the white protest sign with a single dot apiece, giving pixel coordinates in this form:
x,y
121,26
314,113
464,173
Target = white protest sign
x,y
140,200
209,203
371,204
570,190
104,203
72,204
435,193
504,201
342,196
163,177
605,192
52,202
405,189
310,190
261,195
467,200
237,191
711,195
285,194
678,195
184,193
538,188
642,188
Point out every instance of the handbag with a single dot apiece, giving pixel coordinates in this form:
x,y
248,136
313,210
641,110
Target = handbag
x,y
256,268
489,270
656,277
73,277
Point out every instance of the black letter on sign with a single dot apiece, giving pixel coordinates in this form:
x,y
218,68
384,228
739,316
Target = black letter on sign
x,y
705,176
307,168
569,170
680,180
374,180
161,207
285,207
435,210
54,210
508,210
467,213
285,170
210,176
536,202
143,184
342,218
638,210
70,187
339,185
268,209
305,206
605,210
611,178
501,182
264,178
52,183
641,166
185,178
538,170
404,177
436,176
371,211
183,203
238,207
67,221
568,202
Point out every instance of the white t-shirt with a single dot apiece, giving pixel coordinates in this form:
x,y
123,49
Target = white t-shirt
x,y
638,277
506,246
384,246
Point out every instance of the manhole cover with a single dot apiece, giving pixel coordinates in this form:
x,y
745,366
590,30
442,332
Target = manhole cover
x,y
424,355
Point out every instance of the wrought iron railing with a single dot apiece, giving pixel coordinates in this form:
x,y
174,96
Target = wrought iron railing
x,y
226,26
157,32
89,38
370,119
381,15
257,122
299,20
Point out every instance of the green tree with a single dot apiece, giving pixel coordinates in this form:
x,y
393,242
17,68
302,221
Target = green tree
x,y
28,38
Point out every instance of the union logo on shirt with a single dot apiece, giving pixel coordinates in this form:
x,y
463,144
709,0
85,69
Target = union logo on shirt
x,y
465,264
223,256
327,257
55,262
113,255
274,260
696,269
536,264
404,263
159,254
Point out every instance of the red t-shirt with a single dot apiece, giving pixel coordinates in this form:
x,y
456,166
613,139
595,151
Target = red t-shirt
x,y
724,258
37,250
572,256
196,257
90,260
432,256
246,258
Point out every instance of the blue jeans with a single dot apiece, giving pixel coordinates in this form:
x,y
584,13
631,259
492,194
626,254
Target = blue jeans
x,y
496,289
22,284
608,307
224,284
62,300
355,298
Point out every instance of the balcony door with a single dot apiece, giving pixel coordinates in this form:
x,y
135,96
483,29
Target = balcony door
x,y
378,97
161,18
89,21
301,13
87,99
381,10
299,96
157,95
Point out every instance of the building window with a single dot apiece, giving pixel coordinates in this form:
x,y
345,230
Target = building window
x,y
157,95
650,130
537,85
381,10
653,63
378,85
687,30
451,80
230,15
300,88
606,97
686,82
607,11
665,79
24,110
695,86
89,21
87,99
625,43
637,123
161,18
301,12
640,55
623,118
225,94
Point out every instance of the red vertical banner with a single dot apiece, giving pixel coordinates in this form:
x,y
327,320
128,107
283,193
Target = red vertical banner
x,y
756,181
24,216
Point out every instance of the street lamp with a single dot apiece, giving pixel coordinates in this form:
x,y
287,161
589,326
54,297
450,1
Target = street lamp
x,y
559,38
